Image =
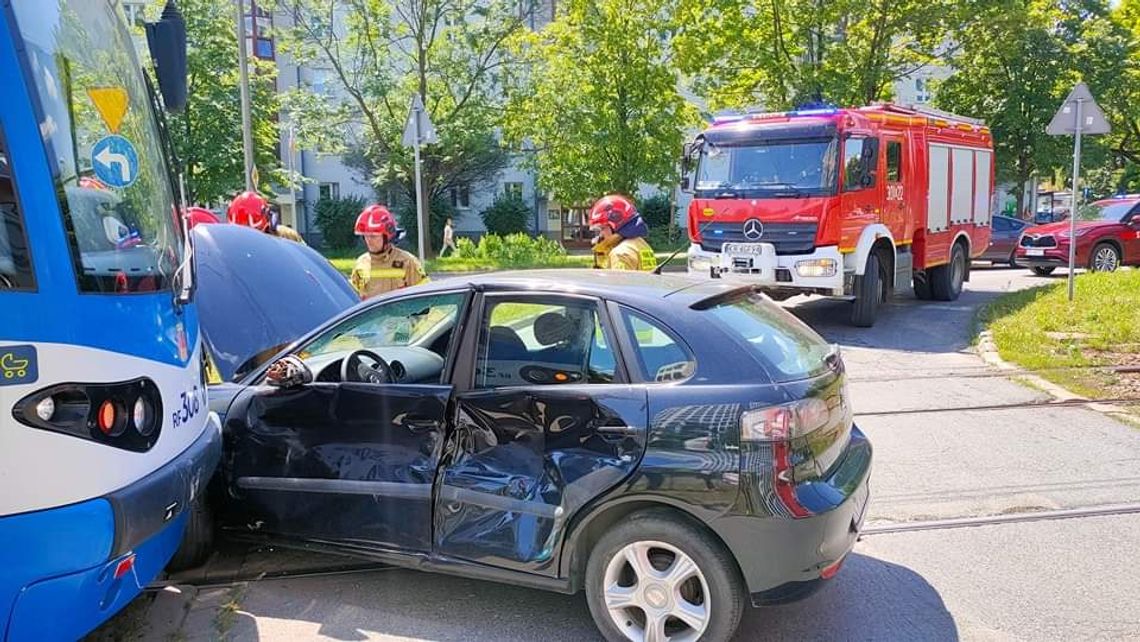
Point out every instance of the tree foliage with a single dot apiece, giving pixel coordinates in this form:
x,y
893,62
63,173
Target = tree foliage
x,y
336,217
1012,74
207,136
381,53
785,53
1015,68
600,102
507,215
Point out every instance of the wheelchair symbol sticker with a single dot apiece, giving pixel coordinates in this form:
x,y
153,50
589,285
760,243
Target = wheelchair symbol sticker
x,y
18,365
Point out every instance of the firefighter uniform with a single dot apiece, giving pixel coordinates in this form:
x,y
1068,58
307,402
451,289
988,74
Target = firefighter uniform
x,y
287,233
392,269
626,254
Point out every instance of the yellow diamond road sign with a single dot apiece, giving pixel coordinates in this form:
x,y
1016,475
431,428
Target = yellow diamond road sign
x,y
112,104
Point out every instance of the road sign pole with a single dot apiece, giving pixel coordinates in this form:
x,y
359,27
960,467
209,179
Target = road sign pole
x,y
1076,195
246,119
422,225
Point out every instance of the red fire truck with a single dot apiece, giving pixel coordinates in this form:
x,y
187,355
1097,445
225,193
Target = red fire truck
x,y
852,203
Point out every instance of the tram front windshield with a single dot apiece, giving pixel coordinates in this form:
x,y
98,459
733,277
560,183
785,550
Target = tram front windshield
x,y
103,142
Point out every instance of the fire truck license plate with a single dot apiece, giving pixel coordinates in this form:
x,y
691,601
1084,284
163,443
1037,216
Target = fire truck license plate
x,y
744,248
1035,252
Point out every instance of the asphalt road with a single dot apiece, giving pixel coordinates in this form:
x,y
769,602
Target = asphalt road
x,y
1045,580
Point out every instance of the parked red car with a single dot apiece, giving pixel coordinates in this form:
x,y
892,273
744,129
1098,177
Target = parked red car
x,y
1108,236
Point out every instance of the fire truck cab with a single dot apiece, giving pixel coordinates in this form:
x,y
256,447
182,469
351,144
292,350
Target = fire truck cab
x,y
853,203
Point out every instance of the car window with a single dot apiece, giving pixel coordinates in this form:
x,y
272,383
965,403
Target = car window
x,y
424,322
788,349
536,342
860,158
894,161
660,356
1001,224
15,261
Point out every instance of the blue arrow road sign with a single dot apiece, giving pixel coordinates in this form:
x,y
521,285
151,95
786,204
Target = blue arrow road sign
x,y
115,161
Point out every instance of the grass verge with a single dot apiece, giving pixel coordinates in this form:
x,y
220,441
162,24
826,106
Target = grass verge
x,y
1075,345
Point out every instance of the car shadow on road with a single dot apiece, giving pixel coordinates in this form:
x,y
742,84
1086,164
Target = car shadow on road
x,y
870,600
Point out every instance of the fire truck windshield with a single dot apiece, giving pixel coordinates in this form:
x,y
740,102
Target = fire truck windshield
x,y
784,168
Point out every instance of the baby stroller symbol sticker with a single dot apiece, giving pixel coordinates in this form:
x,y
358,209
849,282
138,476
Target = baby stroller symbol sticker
x,y
18,365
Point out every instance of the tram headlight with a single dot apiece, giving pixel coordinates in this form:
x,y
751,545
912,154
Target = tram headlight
x,y
142,415
45,409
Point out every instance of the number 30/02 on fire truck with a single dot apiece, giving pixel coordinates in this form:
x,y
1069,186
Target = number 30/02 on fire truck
x,y
852,203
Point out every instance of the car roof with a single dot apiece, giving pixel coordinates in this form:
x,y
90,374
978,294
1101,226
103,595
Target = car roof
x,y
628,286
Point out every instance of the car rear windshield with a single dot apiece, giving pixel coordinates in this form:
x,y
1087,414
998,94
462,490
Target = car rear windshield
x,y
788,349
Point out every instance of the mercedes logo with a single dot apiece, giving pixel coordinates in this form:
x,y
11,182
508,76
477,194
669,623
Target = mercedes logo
x,y
753,229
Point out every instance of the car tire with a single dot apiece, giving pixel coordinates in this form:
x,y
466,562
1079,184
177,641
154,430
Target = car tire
x,y
1104,258
946,280
197,540
1043,271
870,290
710,594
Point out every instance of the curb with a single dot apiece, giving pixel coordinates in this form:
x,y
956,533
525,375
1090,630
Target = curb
x,y
989,353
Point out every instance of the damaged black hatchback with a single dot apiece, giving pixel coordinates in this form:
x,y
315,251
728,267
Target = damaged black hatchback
x,y
677,449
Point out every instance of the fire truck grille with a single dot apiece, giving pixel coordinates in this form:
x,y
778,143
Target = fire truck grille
x,y
789,238
1038,241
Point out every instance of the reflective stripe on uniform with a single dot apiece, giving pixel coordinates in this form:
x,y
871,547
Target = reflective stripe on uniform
x,y
386,273
648,259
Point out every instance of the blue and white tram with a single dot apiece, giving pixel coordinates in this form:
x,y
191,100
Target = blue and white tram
x,y
105,437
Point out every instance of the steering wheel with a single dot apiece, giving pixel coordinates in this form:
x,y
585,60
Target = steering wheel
x,y
353,368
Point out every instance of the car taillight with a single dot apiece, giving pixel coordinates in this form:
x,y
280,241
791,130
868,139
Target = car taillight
x,y
781,423
777,429
125,415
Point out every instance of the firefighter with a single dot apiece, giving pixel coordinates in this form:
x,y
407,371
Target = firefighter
x,y
384,267
252,210
620,243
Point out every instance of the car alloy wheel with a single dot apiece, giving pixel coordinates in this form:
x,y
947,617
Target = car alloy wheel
x,y
655,592
1105,259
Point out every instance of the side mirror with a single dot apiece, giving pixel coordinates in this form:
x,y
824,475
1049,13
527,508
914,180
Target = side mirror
x,y
166,40
288,372
684,183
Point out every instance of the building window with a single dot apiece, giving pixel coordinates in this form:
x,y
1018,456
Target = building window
x,y
259,32
329,191
513,190
921,90
135,13
461,197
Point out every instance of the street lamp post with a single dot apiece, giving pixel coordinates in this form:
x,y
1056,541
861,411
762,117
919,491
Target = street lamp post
x,y
246,118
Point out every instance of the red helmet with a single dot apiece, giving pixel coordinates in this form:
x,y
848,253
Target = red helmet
x,y
376,219
251,210
614,210
199,216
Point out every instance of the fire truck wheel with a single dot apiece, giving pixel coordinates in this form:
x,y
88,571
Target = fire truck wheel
x,y
869,293
946,280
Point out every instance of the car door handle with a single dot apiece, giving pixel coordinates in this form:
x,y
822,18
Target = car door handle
x,y
618,430
421,425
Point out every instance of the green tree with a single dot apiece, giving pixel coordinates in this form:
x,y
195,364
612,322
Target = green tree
x,y
600,101
383,52
1105,48
783,53
507,215
1013,72
208,135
